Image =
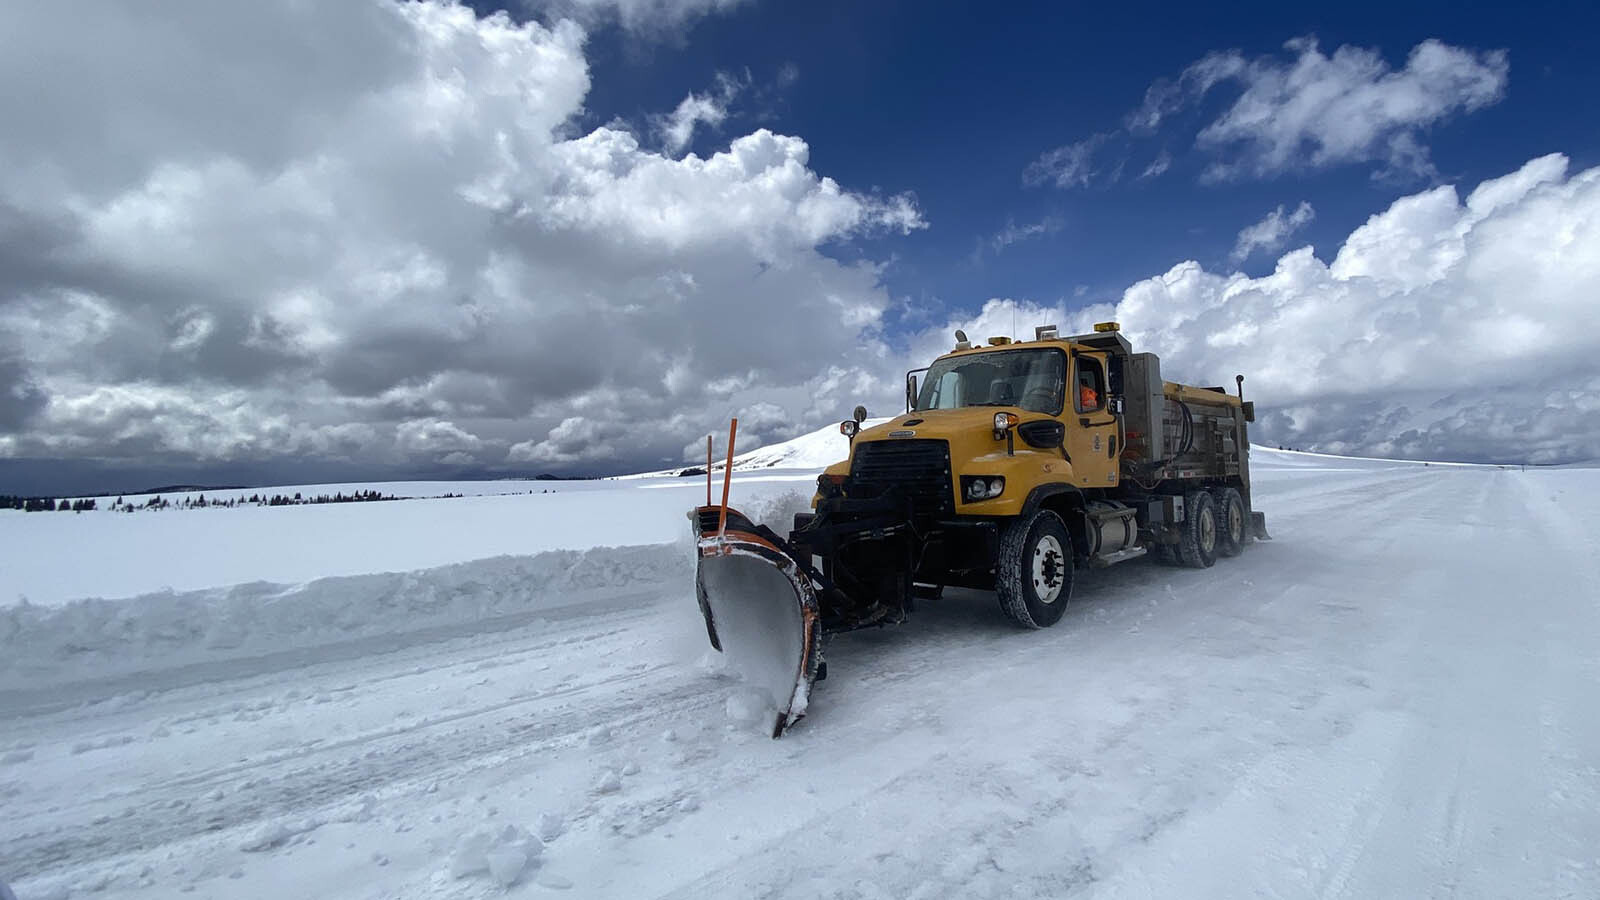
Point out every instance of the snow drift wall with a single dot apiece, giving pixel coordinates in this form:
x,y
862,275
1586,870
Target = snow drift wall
x,y
87,639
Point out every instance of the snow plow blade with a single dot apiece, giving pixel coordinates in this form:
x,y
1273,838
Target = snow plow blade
x,y
760,609
1258,525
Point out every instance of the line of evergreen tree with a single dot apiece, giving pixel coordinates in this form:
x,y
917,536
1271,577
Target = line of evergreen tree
x,y
51,504
46,504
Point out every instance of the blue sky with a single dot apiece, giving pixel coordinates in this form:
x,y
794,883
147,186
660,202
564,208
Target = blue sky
x,y
952,101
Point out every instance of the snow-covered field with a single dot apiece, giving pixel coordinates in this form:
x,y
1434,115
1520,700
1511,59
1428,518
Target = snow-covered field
x,y
1394,698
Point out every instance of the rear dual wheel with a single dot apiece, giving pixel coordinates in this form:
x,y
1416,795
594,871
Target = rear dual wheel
x,y
1232,522
1197,536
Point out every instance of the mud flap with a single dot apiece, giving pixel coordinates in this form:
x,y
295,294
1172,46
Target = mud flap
x,y
1258,526
760,610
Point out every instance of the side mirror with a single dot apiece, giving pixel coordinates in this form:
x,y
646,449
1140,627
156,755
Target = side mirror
x,y
1114,406
860,415
911,393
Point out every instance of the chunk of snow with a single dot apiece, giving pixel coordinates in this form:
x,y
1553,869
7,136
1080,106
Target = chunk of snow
x,y
552,880
549,826
472,854
609,782
266,837
503,853
506,865
747,705
632,768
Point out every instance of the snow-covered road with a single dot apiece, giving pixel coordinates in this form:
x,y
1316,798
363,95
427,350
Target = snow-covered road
x,y
1394,698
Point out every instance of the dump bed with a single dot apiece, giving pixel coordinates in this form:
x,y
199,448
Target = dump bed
x,y
1178,431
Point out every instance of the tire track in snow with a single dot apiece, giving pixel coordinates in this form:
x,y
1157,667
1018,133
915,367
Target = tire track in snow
x,y
315,777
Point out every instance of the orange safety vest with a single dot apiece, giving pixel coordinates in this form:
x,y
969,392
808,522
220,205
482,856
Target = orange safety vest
x,y
1087,398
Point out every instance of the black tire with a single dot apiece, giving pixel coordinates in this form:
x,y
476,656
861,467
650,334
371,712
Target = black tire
x,y
1197,537
1233,523
1033,577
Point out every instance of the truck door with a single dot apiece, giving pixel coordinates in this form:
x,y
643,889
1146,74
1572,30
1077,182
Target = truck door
x,y
1091,428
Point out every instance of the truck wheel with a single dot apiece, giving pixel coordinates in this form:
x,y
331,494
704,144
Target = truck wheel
x,y
1234,522
1197,538
1033,577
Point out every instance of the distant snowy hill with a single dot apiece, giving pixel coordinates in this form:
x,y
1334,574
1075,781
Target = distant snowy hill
x,y
817,450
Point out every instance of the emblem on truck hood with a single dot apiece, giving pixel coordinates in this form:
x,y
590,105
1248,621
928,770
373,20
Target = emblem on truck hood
x,y
906,433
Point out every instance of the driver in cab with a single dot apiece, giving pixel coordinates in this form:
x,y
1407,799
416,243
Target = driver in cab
x,y
1088,397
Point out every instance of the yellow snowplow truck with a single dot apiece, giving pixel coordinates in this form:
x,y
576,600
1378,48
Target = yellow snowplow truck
x,y
1015,464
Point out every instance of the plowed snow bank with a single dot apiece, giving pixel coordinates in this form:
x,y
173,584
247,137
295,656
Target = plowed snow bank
x,y
95,638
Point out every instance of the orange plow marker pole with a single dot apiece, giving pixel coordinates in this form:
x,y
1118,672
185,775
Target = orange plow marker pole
x,y
727,480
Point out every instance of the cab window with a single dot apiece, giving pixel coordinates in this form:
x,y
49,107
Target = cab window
x,y
1028,379
1089,389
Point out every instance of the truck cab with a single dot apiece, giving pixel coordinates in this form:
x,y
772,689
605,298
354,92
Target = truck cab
x,y
1070,444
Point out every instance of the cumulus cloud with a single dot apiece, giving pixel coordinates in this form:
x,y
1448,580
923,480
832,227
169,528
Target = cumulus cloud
x,y
709,108
576,438
1272,232
1309,111
375,234
1443,328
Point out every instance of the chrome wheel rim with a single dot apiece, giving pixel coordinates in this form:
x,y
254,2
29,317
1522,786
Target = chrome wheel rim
x,y
1049,569
1235,522
1208,531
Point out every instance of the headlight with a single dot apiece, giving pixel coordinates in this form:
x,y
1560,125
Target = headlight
x,y
849,427
981,487
1003,421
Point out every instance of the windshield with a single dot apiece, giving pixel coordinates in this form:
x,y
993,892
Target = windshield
x,y
1028,379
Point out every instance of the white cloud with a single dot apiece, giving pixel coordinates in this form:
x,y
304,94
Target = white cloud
x,y
371,232
1158,166
710,108
1311,111
1321,110
430,436
1443,328
1013,233
654,17
1271,233
577,438
1068,166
